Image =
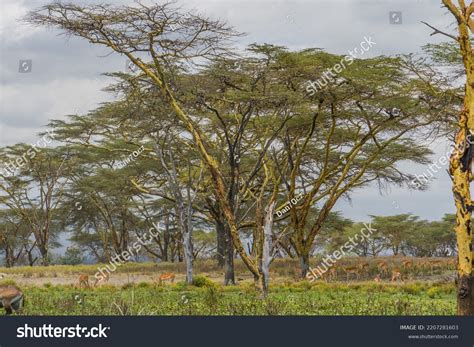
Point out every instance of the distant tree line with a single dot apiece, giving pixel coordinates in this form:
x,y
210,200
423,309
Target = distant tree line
x,y
403,234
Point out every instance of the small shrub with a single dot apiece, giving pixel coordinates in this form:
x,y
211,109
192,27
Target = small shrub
x,y
143,285
202,281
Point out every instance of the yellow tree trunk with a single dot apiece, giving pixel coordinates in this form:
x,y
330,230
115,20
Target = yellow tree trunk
x,y
460,163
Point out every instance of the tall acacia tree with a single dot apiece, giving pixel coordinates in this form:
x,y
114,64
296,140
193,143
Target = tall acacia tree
x,y
162,34
353,132
461,158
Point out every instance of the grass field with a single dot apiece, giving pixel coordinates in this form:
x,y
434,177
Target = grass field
x,y
131,291
319,299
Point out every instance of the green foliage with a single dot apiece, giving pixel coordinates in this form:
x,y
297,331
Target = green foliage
x,y
446,53
433,239
395,229
202,281
72,256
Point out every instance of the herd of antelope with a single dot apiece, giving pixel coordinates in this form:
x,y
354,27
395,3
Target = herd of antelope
x,y
391,270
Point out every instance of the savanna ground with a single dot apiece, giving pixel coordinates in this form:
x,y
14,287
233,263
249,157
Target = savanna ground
x,y
427,289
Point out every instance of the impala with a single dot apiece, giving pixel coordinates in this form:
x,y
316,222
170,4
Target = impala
x,y
11,298
351,270
383,268
166,277
396,274
84,281
407,264
330,274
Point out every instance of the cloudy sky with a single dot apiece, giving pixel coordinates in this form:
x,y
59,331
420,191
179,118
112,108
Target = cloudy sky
x,y
65,74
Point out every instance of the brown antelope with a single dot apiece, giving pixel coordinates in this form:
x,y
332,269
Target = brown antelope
x,y
377,279
396,274
407,264
330,274
11,298
166,277
351,270
101,279
84,281
382,267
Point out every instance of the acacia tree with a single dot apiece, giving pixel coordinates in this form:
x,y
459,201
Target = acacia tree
x,y
395,230
246,111
351,133
183,200
35,190
15,237
162,35
461,157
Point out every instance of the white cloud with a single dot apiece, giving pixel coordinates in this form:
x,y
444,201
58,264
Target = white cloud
x,y
11,26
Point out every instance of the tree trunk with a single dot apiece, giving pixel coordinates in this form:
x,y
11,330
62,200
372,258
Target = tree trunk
x,y
229,278
188,255
44,255
465,299
166,238
304,264
460,167
221,245
260,285
29,252
9,257
267,247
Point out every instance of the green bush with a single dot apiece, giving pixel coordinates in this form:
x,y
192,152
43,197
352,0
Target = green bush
x,y
202,281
